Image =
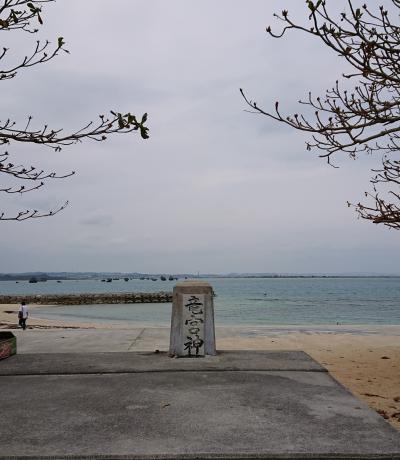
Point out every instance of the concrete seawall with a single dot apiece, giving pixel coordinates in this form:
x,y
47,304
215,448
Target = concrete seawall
x,y
87,299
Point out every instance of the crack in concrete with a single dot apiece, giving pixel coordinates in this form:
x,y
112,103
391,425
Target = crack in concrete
x,y
138,337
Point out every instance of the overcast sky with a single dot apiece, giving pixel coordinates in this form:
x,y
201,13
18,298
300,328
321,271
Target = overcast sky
x,y
214,189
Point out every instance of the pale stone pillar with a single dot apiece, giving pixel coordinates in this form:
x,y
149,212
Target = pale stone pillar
x,y
192,320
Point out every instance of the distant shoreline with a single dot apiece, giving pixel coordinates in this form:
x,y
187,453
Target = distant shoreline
x,y
43,277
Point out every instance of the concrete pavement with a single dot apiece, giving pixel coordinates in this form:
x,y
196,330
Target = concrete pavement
x,y
90,394
91,340
157,338
140,362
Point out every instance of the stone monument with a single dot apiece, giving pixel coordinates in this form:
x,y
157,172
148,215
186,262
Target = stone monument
x,y
192,320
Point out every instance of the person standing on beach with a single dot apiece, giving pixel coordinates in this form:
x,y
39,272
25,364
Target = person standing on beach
x,y
23,315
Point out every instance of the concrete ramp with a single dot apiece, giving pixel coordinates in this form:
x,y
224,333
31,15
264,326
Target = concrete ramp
x,y
275,405
136,362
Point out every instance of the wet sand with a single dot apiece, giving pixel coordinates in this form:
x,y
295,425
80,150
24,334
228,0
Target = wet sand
x,y
365,359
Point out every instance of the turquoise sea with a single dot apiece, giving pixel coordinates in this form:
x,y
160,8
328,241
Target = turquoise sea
x,y
238,301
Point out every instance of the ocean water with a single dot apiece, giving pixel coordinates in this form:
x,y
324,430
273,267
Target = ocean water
x,y
239,301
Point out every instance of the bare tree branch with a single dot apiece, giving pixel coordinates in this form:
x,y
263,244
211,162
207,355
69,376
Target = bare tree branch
x,y
26,15
33,214
365,119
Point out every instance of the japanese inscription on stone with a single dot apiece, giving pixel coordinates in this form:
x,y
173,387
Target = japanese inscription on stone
x,y
193,324
192,320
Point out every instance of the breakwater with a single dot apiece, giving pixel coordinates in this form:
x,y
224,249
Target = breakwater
x,y
88,299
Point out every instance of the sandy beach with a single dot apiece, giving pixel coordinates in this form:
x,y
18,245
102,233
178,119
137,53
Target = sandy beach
x,y
365,359
9,319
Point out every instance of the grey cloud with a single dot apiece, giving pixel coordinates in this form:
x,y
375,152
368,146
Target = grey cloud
x,y
97,220
214,188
